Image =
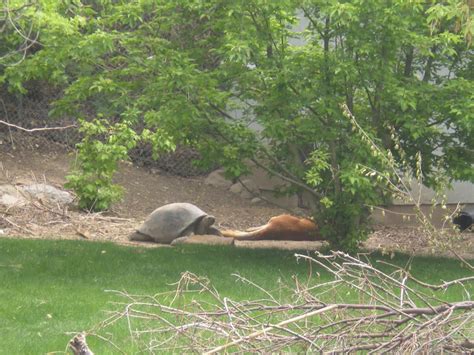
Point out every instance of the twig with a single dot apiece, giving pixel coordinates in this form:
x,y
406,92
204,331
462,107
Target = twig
x,y
385,318
17,226
464,261
37,129
107,341
270,327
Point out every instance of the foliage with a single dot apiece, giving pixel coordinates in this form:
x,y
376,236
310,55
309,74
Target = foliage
x,y
97,161
203,72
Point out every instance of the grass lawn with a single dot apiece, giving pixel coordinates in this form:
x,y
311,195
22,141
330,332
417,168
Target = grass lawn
x,y
48,288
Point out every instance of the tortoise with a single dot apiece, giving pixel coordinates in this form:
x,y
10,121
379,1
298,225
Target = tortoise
x,y
175,220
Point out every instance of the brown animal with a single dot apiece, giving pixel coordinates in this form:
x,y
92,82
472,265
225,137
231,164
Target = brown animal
x,y
282,227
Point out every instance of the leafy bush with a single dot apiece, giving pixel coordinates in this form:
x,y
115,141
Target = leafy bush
x,y
102,147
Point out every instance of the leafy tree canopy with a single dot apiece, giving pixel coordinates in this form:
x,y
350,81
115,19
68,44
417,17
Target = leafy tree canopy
x,y
203,73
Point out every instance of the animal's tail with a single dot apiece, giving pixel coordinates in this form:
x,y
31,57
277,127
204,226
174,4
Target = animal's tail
x,y
251,234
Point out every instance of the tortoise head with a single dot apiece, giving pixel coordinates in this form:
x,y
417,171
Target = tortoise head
x,y
204,225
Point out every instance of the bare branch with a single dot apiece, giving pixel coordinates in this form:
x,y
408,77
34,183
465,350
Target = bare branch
x,y
266,329
383,319
37,129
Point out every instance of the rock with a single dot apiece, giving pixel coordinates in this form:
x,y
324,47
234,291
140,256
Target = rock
x,y
250,185
49,193
236,188
256,201
11,200
204,239
8,189
217,179
11,197
244,192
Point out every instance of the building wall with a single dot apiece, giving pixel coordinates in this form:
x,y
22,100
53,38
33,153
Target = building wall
x,y
461,192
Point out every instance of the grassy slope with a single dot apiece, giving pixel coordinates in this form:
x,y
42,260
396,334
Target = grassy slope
x,y
48,288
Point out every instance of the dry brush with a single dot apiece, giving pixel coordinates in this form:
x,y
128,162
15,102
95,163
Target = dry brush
x,y
391,311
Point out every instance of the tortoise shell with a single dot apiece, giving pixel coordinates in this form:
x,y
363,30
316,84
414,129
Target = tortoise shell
x,y
170,222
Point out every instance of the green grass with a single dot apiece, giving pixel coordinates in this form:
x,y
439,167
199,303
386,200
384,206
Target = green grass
x,y
48,288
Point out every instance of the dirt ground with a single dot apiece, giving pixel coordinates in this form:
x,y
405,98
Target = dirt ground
x,y
145,191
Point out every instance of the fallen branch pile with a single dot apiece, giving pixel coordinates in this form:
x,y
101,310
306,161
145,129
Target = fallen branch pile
x,y
392,311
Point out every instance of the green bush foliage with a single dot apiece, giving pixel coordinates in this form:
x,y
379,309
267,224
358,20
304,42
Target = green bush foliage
x,y
96,163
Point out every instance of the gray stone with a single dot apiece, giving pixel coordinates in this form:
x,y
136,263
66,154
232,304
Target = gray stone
x,y
11,197
256,201
250,185
236,188
48,192
217,179
247,190
246,194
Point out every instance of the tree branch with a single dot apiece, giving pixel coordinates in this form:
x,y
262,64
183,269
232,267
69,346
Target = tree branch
x,y
37,129
270,327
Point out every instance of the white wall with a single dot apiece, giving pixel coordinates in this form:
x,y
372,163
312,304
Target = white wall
x,y
461,192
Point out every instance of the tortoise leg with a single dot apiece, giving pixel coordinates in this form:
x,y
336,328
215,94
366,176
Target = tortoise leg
x,y
214,231
180,240
203,226
140,237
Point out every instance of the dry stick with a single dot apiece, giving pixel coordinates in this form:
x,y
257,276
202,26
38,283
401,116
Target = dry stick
x,y
435,340
445,284
111,218
229,314
270,327
245,280
464,261
107,341
349,282
17,226
36,129
299,336
466,343
357,263
384,210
